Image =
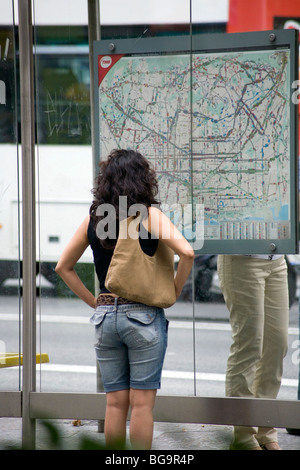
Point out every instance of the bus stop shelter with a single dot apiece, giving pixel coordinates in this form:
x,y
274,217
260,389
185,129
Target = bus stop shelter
x,y
31,404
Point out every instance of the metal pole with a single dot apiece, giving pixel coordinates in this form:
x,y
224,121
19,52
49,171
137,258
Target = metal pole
x,y
28,210
94,34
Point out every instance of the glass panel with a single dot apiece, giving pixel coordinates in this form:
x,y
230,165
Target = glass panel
x,y
212,332
146,106
162,131
10,282
65,178
64,181
212,92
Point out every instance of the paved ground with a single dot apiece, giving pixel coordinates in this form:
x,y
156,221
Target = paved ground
x,y
167,436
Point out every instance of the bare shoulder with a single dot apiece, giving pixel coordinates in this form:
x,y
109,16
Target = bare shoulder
x,y
159,224
81,231
155,217
86,221
154,212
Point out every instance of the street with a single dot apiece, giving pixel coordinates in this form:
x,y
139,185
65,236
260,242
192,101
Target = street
x,y
195,361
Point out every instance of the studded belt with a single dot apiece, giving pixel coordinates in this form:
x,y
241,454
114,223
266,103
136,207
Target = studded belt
x,y
104,299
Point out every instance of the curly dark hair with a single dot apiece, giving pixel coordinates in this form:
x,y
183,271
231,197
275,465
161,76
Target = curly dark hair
x,y
124,173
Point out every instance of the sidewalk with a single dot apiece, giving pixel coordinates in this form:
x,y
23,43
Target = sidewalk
x,y
167,436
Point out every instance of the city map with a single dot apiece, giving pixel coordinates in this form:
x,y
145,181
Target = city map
x,y
216,129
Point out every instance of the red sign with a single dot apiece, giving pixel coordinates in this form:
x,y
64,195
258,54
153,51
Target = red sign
x,y
260,16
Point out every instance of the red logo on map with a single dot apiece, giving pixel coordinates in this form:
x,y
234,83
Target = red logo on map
x,y
105,63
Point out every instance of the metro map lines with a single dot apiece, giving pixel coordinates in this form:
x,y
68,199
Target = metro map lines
x,y
216,131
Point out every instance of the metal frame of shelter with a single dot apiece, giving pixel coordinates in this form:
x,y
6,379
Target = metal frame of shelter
x,y
30,404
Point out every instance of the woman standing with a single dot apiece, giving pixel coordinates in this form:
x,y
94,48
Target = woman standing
x,y
129,349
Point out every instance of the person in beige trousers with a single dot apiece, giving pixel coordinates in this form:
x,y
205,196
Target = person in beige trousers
x,y
255,290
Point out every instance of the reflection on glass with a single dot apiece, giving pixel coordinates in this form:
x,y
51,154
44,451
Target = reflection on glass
x,y
63,93
65,179
65,175
10,284
216,79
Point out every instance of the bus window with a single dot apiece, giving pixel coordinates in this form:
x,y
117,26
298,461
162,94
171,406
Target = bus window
x,y
63,97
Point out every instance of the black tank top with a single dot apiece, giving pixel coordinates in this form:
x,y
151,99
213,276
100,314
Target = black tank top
x,y
102,256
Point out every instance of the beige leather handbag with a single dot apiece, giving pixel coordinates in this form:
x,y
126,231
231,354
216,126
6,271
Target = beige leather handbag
x,y
136,276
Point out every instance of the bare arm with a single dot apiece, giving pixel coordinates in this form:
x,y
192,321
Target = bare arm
x,y
71,254
161,226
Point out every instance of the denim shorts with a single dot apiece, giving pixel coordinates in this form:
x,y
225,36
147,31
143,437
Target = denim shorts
x,y
130,344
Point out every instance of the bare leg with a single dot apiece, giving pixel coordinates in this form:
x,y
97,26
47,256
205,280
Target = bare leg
x,y
117,404
141,422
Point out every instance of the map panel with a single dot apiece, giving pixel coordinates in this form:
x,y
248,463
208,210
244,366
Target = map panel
x,y
216,127
241,139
